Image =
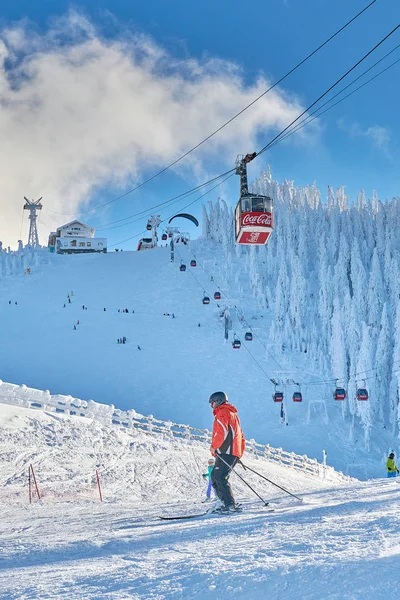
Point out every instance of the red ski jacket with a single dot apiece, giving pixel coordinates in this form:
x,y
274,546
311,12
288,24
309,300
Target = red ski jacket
x,y
227,434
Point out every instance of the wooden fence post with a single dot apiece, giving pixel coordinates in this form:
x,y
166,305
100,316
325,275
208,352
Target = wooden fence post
x,y
35,482
98,485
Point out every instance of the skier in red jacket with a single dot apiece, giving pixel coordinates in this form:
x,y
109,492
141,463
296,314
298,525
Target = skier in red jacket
x,y
227,445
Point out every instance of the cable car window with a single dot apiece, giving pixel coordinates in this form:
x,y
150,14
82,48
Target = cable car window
x,y
258,204
246,204
268,203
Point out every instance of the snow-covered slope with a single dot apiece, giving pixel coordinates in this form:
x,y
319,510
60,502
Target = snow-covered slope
x,y
339,543
179,363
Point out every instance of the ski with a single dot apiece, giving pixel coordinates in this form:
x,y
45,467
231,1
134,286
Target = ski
x,y
179,517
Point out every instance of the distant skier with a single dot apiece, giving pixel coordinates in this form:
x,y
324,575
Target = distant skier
x,y
78,322
391,466
139,348
227,445
9,302
104,309
117,340
198,324
65,305
124,340
75,327
83,307
211,463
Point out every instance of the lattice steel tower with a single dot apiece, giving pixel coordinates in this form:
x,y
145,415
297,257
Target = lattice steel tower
x,y
32,206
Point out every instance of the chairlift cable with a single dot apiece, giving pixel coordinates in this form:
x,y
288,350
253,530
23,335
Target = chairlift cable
x,y
267,146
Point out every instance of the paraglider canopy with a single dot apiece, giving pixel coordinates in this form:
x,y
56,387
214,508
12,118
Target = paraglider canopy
x,y
185,216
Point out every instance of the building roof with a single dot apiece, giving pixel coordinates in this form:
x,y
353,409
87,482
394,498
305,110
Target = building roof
x,y
71,223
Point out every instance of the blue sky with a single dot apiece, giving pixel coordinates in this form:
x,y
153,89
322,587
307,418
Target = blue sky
x,y
355,144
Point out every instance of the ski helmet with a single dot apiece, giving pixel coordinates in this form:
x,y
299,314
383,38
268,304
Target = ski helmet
x,y
211,461
391,455
218,398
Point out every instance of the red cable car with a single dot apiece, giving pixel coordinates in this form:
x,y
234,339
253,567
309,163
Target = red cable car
x,y
362,394
182,268
170,235
206,300
217,296
193,263
297,397
236,343
339,394
148,226
164,237
254,212
248,336
278,397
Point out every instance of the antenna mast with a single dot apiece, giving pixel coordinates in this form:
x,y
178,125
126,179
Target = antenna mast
x,y
32,206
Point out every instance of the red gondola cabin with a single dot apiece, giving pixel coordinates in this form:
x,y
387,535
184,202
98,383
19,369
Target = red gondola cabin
x,y
339,394
192,263
248,336
236,344
362,394
254,212
164,237
217,296
182,268
297,397
206,300
278,397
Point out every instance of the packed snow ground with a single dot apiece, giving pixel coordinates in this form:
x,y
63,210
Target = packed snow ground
x,y
179,363
340,543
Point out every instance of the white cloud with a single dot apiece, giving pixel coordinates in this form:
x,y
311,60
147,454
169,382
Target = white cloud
x,y
379,136
78,111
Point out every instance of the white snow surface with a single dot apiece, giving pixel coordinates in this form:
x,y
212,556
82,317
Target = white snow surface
x,y
341,542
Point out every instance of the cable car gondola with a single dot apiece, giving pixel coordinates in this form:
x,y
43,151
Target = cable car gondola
x,y
362,394
248,336
193,263
148,226
217,296
164,237
182,268
206,300
236,343
339,394
297,397
278,397
254,212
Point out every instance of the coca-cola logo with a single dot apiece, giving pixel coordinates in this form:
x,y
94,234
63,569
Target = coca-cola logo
x,y
257,219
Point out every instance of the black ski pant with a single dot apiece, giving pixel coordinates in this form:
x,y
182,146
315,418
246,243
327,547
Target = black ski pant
x,y
220,477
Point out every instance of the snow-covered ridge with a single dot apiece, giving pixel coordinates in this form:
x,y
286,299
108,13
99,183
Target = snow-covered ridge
x,y
22,396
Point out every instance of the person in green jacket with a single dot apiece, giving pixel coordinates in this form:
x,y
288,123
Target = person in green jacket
x,y
391,466
211,463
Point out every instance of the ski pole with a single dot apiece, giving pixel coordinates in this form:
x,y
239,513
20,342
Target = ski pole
x,y
269,481
231,468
